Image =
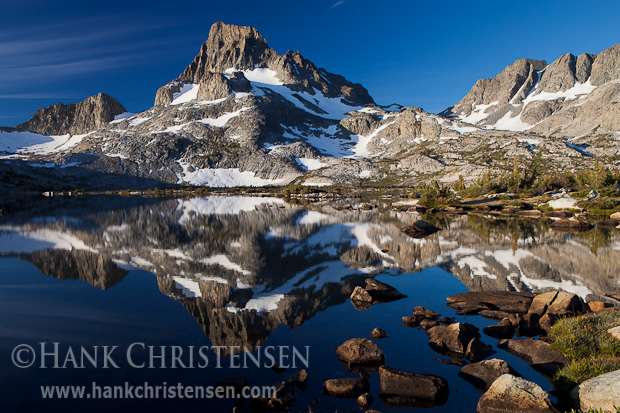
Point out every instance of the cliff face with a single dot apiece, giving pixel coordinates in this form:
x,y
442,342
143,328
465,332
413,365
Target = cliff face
x,y
572,96
231,49
74,118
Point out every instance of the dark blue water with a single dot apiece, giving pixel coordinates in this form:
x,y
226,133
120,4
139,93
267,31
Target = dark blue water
x,y
137,306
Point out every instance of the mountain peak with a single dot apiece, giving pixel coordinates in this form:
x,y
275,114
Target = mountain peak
x,y
228,46
74,118
231,48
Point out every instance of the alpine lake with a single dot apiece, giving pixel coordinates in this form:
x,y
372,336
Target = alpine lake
x,y
239,275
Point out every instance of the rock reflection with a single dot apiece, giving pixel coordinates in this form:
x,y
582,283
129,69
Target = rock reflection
x,y
243,266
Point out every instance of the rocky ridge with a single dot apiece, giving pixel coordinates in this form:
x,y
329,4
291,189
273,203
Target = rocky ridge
x,y
74,118
241,114
572,96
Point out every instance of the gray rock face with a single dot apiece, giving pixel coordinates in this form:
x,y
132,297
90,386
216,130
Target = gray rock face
x,y
514,82
583,67
512,394
559,75
74,118
244,48
600,393
213,86
562,102
606,67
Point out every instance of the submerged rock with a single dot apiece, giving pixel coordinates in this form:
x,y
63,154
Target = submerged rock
x,y
284,396
364,400
502,330
346,388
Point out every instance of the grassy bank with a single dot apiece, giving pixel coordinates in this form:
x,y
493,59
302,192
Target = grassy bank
x,y
590,349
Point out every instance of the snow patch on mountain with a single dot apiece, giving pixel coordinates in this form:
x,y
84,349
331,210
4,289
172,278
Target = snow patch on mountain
x,y
580,90
308,164
222,120
33,143
189,92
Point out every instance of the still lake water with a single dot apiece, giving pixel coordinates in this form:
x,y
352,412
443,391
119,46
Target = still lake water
x,y
256,272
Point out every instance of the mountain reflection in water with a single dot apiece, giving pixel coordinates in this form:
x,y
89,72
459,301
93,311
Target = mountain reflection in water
x,y
242,266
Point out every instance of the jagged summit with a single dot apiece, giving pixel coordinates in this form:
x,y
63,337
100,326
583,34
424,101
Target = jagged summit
x,y
239,47
244,52
572,96
74,118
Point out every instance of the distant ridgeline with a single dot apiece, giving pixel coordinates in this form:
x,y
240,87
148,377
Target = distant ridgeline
x,y
241,114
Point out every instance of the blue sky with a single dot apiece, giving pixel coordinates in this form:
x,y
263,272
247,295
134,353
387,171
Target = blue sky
x,y
415,53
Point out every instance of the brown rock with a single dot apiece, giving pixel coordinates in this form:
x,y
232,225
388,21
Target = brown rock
x,y
284,396
454,337
364,400
507,301
614,294
484,373
566,303
513,394
541,302
427,324
378,333
299,377
413,385
596,306
361,295
538,353
502,330
382,292
528,325
74,118
558,214
346,388
360,351
571,225
547,321
477,350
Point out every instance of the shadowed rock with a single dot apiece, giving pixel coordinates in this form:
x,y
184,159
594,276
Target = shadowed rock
x,y
506,301
484,373
401,387
420,229
346,388
538,353
74,118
